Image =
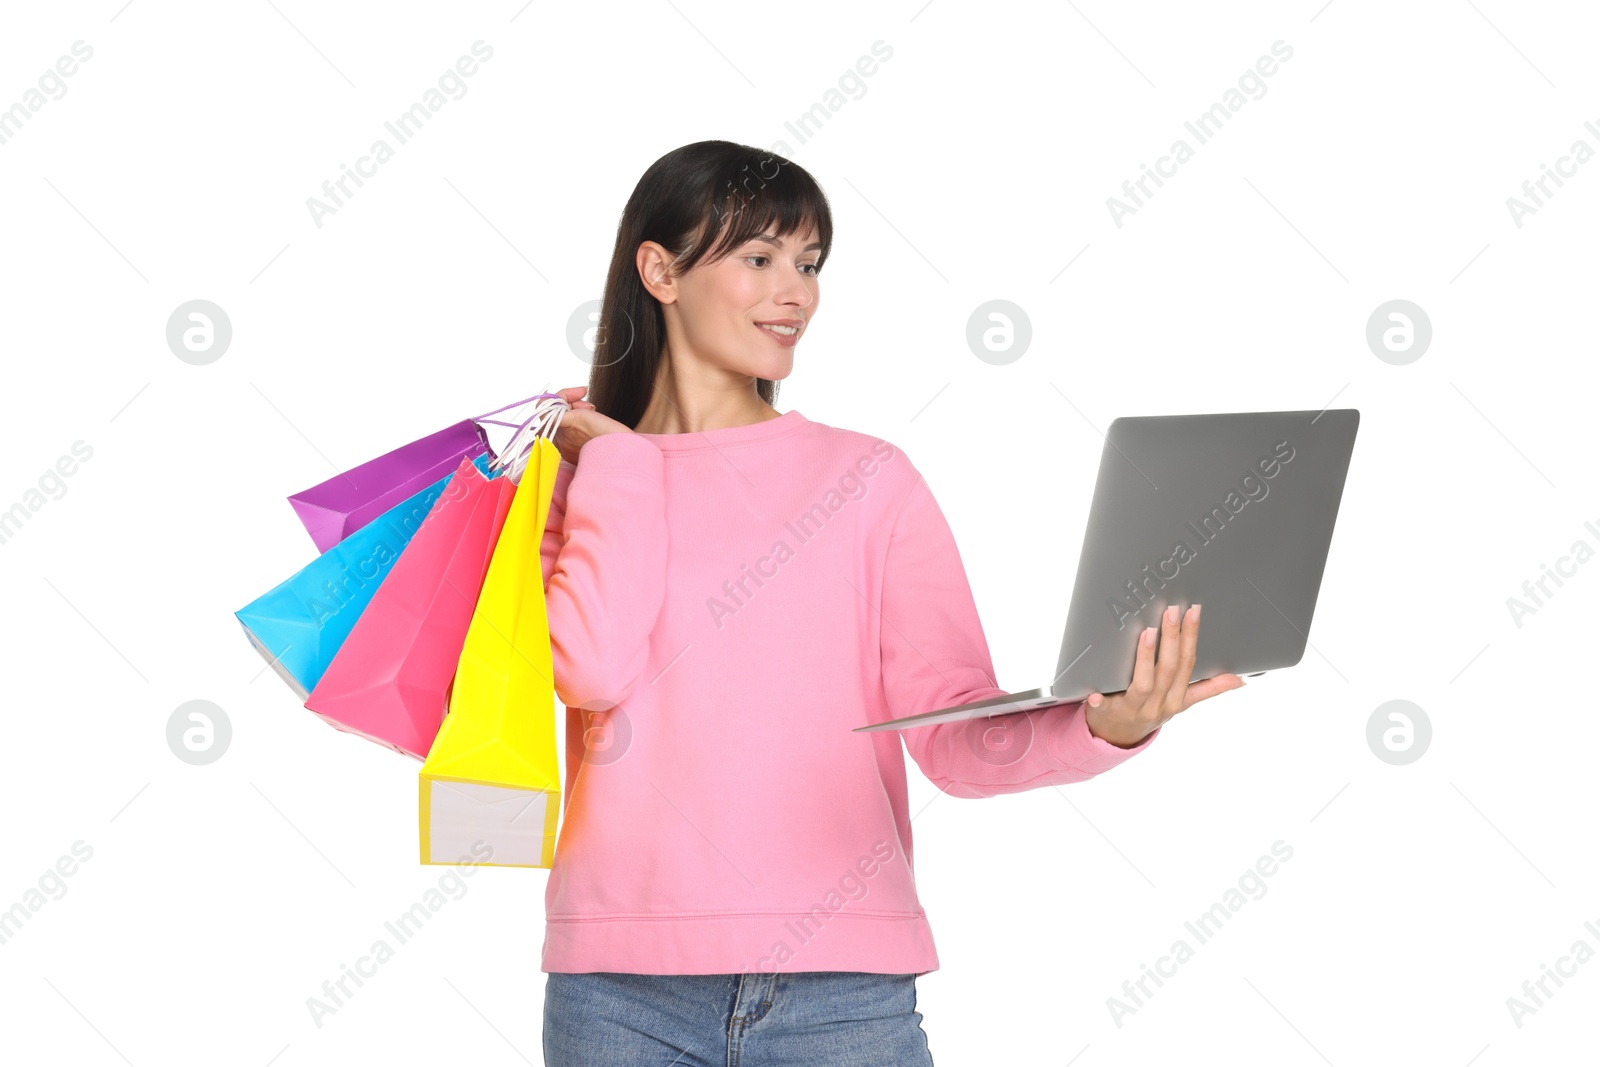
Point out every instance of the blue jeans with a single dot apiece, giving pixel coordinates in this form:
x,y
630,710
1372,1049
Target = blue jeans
x,y
799,1019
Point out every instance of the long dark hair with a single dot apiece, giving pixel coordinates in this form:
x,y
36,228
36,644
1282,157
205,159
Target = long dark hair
x,y
684,201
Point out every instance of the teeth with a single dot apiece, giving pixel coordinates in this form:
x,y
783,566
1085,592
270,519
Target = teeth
x,y
787,331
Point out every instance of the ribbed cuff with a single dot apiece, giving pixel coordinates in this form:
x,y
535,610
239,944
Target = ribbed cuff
x,y
1073,745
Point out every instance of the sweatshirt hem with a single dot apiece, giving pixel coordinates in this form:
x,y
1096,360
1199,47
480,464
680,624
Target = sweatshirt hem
x,y
750,942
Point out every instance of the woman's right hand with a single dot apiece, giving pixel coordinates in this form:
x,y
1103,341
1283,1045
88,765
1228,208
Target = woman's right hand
x,y
581,424
1160,688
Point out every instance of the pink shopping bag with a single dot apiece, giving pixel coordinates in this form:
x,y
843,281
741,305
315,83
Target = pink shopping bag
x,y
390,678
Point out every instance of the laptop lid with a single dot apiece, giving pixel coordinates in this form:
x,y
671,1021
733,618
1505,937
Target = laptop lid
x,y
1234,511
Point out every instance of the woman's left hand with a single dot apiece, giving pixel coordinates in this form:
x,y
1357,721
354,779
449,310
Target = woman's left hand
x,y
1160,688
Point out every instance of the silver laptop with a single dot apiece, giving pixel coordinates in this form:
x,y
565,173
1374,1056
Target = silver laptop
x,y
1234,511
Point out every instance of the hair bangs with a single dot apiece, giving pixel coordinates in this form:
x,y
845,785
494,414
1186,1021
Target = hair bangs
x,y
767,195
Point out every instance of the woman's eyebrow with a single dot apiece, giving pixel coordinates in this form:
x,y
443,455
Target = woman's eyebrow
x,y
767,238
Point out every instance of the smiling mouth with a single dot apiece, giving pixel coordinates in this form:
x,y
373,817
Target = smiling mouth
x,y
781,331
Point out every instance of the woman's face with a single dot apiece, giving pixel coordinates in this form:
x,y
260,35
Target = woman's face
x,y
718,315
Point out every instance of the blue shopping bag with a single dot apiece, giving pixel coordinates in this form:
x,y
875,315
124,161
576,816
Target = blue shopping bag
x,y
299,625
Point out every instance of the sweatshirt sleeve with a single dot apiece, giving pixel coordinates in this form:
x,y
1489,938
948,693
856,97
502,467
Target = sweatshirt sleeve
x,y
604,557
934,655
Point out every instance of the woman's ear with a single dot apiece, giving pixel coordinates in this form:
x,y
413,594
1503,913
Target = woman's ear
x,y
653,263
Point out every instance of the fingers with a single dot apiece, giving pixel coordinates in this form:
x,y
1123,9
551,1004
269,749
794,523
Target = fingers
x,y
571,395
1210,687
1185,654
1144,666
1170,652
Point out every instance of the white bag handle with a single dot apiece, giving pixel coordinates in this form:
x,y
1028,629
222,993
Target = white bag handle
x,y
548,411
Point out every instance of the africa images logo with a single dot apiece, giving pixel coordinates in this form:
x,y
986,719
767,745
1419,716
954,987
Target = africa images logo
x,y
1251,488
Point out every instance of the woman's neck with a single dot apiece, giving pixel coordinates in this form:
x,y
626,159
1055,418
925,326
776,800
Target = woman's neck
x,y
675,412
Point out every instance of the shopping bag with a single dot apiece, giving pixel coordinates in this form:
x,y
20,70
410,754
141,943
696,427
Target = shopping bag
x,y
333,510
300,624
492,775
389,679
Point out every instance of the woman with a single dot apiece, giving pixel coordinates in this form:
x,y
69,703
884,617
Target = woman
x,y
731,591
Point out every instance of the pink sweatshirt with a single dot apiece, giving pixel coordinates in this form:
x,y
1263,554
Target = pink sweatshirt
x,y
741,599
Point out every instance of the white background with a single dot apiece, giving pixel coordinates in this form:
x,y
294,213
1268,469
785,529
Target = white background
x,y
976,165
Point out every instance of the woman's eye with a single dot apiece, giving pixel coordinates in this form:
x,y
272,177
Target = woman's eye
x,y
811,267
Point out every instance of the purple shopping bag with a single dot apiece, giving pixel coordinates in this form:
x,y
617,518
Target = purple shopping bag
x,y
336,508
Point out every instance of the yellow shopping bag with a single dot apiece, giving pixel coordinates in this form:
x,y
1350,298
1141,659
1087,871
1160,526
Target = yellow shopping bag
x,y
491,774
